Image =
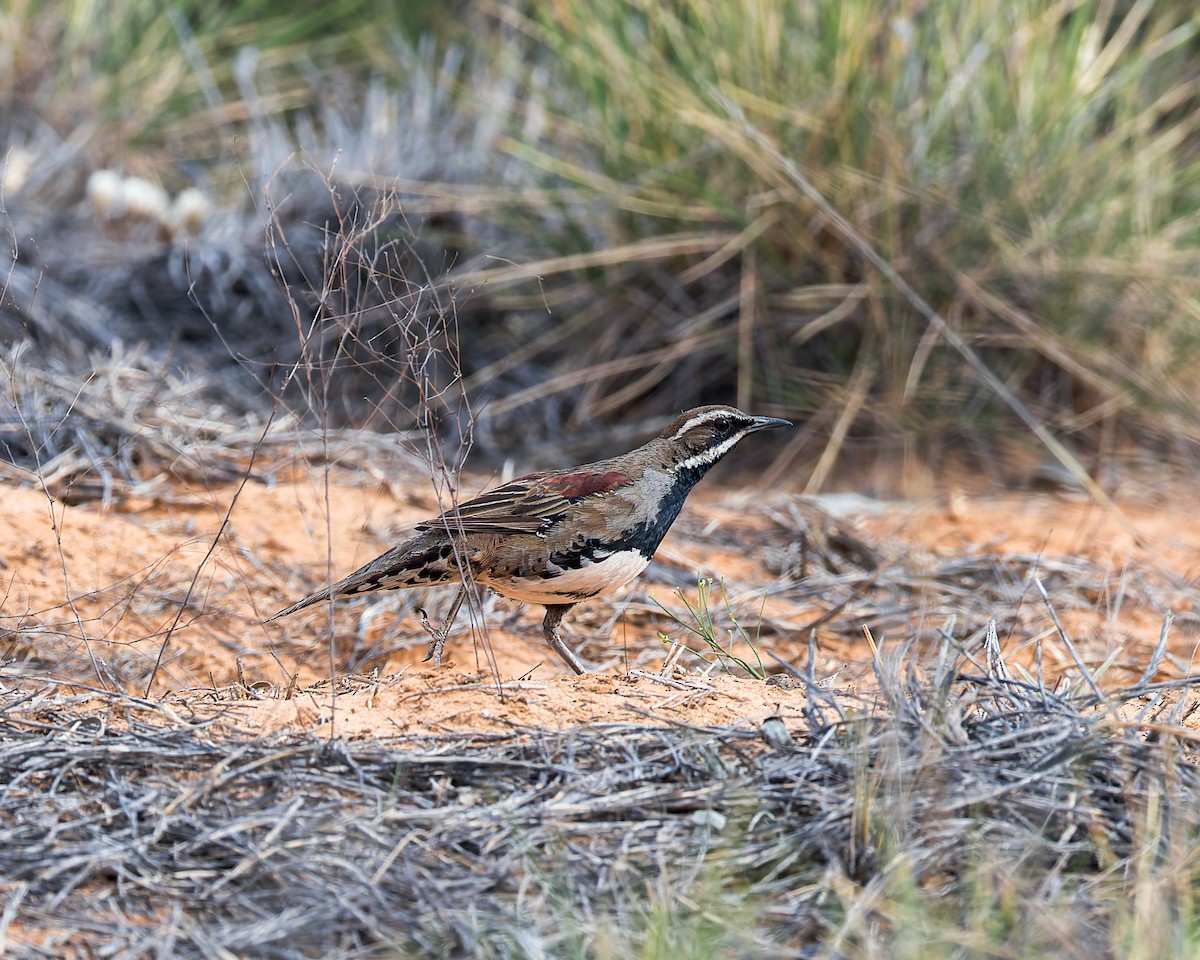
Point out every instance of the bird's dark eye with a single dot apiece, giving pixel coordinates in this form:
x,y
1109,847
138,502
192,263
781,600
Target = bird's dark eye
x,y
722,424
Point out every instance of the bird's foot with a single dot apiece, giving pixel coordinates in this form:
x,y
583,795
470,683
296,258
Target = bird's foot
x,y
559,646
438,638
439,634
554,614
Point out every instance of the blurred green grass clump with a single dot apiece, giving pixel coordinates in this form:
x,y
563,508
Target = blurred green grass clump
x,y
649,172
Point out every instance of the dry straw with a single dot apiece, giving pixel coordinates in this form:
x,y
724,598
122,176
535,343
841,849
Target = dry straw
x,y
159,837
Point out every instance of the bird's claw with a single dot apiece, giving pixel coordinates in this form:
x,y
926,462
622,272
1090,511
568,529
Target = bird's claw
x,y
438,634
437,641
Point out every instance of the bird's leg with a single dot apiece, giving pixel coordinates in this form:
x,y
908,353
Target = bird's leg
x,y
438,634
554,614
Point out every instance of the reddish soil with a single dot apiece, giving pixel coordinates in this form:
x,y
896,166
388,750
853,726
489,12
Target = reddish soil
x,y
93,599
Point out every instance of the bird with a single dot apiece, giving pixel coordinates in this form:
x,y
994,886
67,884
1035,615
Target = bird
x,y
557,538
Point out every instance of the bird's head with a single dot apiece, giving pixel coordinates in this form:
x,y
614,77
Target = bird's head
x,y
698,438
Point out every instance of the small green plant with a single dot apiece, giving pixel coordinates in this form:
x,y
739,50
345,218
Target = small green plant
x,y
700,621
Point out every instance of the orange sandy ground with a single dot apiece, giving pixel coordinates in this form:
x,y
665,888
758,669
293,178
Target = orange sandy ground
x,y
128,569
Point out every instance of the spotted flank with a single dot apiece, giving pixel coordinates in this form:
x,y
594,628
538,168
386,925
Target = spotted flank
x,y
401,579
570,586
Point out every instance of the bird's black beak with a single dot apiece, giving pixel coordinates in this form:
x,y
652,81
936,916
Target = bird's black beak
x,y
767,423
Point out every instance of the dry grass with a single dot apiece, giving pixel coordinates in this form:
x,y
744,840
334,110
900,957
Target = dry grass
x,y
1003,815
630,215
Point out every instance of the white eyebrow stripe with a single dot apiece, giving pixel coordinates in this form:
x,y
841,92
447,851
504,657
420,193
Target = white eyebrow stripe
x,y
696,421
711,455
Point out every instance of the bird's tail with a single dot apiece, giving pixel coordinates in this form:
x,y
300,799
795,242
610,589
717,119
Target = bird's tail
x,y
327,594
423,563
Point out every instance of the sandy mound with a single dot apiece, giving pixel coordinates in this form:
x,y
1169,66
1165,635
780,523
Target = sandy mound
x,y
175,588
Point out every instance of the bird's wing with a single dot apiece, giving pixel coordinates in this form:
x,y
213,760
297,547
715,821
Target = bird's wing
x,y
526,505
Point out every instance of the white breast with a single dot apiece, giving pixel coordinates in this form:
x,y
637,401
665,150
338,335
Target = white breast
x,y
590,580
